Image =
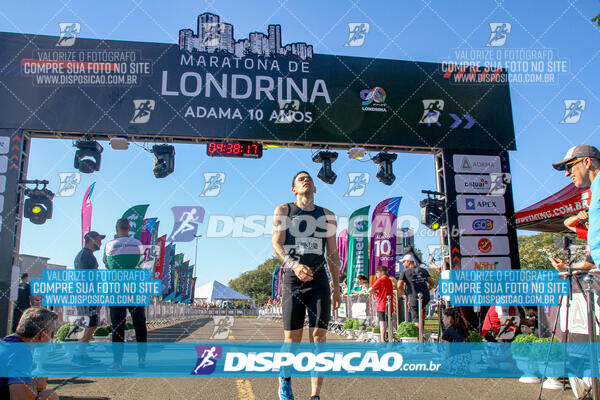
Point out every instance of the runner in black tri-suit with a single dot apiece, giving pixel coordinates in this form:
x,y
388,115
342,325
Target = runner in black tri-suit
x,y
304,239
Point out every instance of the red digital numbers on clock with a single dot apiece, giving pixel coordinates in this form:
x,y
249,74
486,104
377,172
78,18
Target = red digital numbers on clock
x,y
234,149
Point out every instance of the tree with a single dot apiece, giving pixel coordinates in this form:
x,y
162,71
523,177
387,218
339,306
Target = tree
x,y
534,250
257,282
596,19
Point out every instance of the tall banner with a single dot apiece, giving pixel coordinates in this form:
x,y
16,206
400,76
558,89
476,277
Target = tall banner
x,y
135,216
182,284
167,275
358,247
193,289
189,294
160,257
275,283
177,278
146,232
86,212
342,245
383,236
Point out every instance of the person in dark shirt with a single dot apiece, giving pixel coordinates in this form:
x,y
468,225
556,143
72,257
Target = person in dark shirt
x,y
414,280
85,259
35,326
456,328
23,300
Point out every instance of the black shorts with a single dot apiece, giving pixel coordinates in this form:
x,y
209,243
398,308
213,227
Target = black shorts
x,y
299,297
381,315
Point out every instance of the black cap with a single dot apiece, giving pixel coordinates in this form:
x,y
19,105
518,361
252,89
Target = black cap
x,y
93,235
579,151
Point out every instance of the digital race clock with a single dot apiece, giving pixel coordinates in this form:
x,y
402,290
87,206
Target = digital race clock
x,y
234,149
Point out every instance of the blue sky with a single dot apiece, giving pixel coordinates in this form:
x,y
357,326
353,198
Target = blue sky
x,y
415,30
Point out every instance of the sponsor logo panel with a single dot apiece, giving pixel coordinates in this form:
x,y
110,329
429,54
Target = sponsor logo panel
x,y
484,245
474,204
478,224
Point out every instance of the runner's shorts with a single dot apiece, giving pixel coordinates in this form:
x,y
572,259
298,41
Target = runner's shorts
x,y
382,316
299,297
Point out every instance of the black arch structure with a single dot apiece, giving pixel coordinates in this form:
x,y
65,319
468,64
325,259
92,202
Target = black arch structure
x,y
162,93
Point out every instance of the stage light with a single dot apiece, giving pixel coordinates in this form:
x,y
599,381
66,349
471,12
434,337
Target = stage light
x,y
164,160
87,156
385,174
326,174
433,213
38,205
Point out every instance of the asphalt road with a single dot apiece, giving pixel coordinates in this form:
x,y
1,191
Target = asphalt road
x,y
252,330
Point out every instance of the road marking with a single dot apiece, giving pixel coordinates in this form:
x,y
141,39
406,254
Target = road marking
x,y
231,337
245,389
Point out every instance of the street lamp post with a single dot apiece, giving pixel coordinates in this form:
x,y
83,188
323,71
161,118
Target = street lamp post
x,y
196,258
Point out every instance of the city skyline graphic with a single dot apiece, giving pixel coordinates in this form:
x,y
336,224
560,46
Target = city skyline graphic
x,y
214,36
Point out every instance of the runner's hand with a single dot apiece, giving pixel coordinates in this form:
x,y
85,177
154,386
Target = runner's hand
x,y
40,383
582,215
303,273
336,300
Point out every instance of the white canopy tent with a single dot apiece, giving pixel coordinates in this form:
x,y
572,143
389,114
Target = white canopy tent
x,y
215,290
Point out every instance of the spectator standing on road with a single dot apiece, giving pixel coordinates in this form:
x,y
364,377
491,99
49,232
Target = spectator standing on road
x,y
582,165
412,281
85,259
125,252
35,326
383,288
23,300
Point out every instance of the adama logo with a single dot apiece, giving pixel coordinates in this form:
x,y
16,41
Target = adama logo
x,y
484,245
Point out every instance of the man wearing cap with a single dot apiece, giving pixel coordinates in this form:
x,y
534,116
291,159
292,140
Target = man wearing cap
x,y
582,165
412,281
85,259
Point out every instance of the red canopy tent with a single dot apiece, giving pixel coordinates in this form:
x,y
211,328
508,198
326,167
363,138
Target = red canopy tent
x,y
549,214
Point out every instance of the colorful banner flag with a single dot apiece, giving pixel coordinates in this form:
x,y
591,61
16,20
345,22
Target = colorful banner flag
x,y
86,212
177,278
189,296
146,232
383,236
167,276
193,298
358,247
186,223
160,257
342,245
135,216
183,276
275,283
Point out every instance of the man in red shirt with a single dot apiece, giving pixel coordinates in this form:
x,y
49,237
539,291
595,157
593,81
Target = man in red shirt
x,y
382,287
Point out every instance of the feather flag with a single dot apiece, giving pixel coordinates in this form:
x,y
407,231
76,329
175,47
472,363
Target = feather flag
x,y
342,245
135,216
358,247
383,236
86,212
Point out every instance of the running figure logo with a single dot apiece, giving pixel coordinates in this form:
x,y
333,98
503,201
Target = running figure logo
x,y
211,33
143,108
358,183
499,183
186,223
573,110
207,359
68,183
358,33
433,110
212,184
68,33
500,31
287,111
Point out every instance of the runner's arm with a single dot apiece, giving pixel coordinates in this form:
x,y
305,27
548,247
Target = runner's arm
x,y
22,391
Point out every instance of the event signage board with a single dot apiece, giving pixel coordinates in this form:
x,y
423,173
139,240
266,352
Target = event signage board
x,y
475,204
489,263
464,163
253,88
482,224
484,245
